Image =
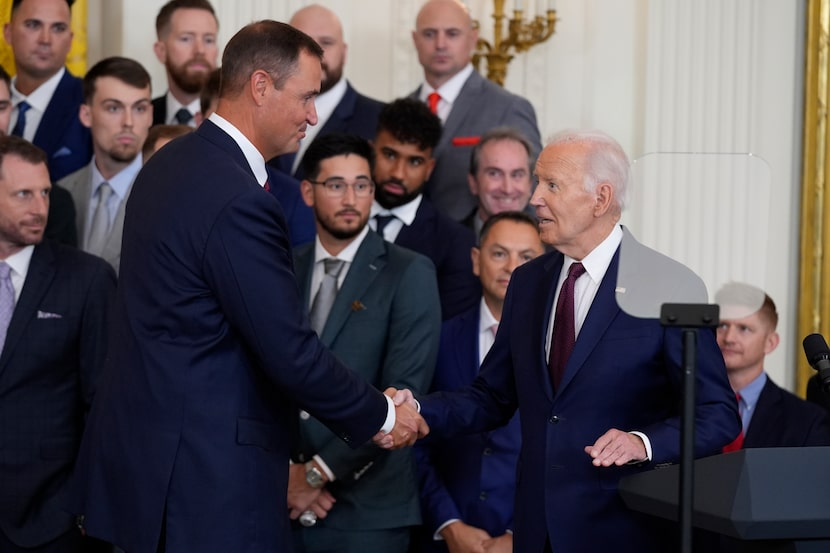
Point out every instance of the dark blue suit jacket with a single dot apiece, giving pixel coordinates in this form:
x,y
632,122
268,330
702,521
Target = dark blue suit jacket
x,y
67,143
624,373
448,244
298,215
782,419
470,477
49,369
355,114
210,355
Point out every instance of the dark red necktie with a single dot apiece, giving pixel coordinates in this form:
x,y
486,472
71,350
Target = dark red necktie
x,y
564,326
267,186
738,442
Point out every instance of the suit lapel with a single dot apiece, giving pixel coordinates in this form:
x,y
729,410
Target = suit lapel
x,y
38,279
112,249
762,425
56,118
540,319
465,102
303,268
342,113
79,185
467,353
367,264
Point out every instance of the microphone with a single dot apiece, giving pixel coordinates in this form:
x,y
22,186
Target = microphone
x,y
818,355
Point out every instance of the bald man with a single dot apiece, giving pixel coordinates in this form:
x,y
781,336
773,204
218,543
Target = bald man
x,y
340,108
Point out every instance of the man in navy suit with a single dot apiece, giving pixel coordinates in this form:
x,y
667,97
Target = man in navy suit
x,y
598,390
340,108
406,136
54,303
187,444
467,484
45,95
771,416
385,324
186,44
468,104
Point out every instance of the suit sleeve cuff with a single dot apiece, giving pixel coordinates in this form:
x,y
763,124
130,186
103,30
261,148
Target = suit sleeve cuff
x,y
389,423
325,468
437,535
646,443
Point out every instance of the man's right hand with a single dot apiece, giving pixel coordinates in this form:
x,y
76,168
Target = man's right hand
x,y
300,494
463,538
409,425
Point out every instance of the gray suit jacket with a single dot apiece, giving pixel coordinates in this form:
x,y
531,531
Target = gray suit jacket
x,y
481,106
385,325
79,185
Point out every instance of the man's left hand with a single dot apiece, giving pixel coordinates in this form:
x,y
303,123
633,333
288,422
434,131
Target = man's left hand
x,y
616,447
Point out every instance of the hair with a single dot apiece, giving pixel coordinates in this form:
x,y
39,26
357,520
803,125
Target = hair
x,y
210,91
332,145
267,45
4,76
410,121
166,12
739,300
515,216
25,150
605,160
16,4
494,135
159,132
126,70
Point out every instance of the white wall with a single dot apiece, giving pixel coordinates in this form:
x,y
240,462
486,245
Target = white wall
x,y
661,76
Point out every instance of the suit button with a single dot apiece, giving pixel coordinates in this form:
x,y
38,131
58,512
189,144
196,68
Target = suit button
x,y
554,419
483,496
487,451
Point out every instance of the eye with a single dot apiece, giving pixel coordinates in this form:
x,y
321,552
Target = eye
x,y
416,161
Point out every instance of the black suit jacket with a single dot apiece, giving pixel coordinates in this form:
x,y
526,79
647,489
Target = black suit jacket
x,y
51,360
355,114
448,244
160,110
782,419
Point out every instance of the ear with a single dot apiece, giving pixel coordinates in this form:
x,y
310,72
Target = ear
x,y
475,255
771,342
307,191
430,165
85,115
604,199
7,33
260,83
473,184
160,50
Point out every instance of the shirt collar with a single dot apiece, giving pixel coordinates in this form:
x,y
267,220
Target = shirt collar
x,y
450,90
173,106
485,317
596,263
406,212
346,254
252,155
40,97
19,262
121,181
752,391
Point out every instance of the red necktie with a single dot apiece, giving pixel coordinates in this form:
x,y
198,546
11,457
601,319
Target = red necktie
x,y
564,327
267,186
738,442
433,100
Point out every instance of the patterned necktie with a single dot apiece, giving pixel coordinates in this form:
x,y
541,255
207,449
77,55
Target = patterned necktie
x,y
433,100
20,125
267,186
6,301
183,116
99,229
564,326
738,442
321,306
381,221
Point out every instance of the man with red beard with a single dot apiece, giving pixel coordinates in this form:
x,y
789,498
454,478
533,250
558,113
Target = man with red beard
x,y
186,31
406,137
118,111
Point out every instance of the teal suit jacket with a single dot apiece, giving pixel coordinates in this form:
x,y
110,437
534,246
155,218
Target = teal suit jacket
x,y
385,325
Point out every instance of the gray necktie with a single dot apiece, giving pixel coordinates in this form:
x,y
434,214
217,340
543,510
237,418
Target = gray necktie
x,y
324,299
6,301
99,230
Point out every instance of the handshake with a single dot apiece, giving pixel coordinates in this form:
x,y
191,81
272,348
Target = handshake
x,y
409,424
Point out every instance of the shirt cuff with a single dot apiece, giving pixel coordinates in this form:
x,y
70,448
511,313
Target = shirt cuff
x,y
437,535
646,442
322,464
389,424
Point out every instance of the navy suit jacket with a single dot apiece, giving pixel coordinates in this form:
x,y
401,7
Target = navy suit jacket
x,y
67,143
385,325
448,244
782,419
470,477
298,215
50,366
211,353
624,373
480,106
355,114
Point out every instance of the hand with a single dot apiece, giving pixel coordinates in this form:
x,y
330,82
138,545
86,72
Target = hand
x,y
320,506
616,447
409,425
300,494
402,396
500,544
463,538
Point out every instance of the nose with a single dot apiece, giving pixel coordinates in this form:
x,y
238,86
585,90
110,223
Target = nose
x,y
349,196
512,262
40,206
311,114
440,40
45,35
536,198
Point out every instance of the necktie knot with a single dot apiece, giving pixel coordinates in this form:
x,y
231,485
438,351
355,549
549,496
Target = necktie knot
x,y
381,221
575,271
5,270
433,100
333,266
183,116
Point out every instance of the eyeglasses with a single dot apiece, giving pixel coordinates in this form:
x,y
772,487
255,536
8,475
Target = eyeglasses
x,y
335,187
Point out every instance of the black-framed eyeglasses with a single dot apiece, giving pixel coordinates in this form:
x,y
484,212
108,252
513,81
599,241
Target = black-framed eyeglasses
x,y
336,187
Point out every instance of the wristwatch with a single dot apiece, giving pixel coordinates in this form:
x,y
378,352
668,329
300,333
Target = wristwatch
x,y
313,476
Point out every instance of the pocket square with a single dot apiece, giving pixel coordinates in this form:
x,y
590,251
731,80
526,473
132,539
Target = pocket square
x,y
64,151
47,315
466,140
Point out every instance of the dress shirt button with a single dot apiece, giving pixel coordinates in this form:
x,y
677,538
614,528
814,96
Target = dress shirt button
x,y
483,496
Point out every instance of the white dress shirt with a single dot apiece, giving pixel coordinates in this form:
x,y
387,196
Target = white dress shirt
x,y
38,101
19,263
448,91
404,215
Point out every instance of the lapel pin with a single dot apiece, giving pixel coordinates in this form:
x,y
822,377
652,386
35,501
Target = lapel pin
x,y
358,306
